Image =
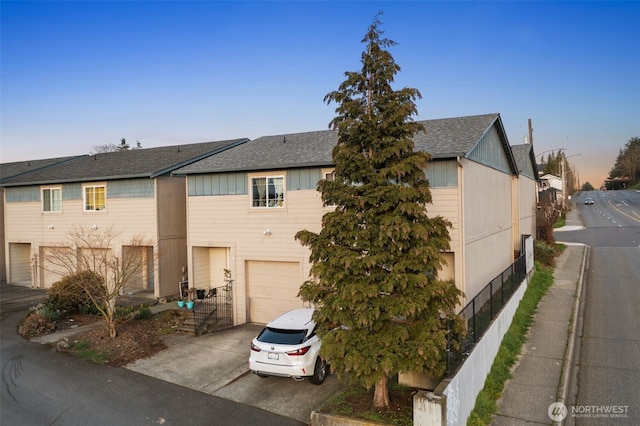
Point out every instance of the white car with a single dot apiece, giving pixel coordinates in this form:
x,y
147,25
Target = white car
x,y
289,347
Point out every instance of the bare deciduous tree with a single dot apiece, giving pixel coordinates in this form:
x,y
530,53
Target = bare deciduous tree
x,y
93,250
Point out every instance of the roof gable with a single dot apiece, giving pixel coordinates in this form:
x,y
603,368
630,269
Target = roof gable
x,y
526,160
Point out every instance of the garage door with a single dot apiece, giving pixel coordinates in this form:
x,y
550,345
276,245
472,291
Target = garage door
x,y
272,288
51,270
20,263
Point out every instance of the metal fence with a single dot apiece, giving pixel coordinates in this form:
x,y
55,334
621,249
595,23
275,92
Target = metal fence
x,y
214,310
481,311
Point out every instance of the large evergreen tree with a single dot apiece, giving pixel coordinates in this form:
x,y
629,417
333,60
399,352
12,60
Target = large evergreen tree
x,y
380,306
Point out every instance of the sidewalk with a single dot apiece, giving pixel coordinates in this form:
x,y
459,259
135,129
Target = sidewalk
x,y
539,377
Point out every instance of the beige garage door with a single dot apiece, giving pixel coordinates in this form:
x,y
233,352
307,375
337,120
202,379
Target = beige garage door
x,y
52,271
272,288
20,263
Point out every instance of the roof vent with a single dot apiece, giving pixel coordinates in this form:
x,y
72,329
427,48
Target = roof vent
x,y
284,139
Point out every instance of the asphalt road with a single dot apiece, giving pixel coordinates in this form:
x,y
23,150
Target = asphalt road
x,y
41,386
605,387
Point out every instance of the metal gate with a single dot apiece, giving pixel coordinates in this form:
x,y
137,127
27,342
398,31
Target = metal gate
x,y
213,311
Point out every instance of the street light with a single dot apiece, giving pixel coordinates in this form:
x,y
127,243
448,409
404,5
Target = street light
x,y
551,150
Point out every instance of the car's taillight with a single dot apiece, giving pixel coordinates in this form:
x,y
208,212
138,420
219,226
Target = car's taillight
x,y
255,348
299,352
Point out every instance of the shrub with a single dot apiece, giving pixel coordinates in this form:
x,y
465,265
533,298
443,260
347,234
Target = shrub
x,y
144,313
71,293
544,253
35,324
49,313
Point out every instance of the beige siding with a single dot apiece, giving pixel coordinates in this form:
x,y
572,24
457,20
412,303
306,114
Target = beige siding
x,y
128,217
4,259
487,206
229,221
528,193
446,202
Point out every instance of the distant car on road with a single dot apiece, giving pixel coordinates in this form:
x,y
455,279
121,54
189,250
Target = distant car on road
x,y
588,200
289,347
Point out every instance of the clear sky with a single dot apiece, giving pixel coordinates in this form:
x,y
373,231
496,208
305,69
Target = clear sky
x,y
79,74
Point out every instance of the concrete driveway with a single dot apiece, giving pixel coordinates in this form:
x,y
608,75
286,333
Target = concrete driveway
x,y
218,364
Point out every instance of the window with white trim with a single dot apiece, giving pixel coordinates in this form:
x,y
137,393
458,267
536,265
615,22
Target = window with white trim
x,y
51,200
267,191
94,198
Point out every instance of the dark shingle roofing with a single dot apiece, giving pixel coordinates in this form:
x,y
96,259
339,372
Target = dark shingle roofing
x,y
11,170
444,138
135,163
521,154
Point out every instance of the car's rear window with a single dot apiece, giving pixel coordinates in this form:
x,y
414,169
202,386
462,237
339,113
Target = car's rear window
x,y
282,337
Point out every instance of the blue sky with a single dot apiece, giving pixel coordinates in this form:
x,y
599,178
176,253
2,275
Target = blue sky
x,y
79,74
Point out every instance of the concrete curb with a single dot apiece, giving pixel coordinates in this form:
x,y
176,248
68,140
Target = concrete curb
x,y
563,386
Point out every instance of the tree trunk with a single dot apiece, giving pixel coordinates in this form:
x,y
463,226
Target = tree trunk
x,y
381,394
111,316
111,325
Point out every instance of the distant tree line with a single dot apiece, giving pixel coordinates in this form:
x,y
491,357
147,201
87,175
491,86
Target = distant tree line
x,y
111,147
553,166
627,165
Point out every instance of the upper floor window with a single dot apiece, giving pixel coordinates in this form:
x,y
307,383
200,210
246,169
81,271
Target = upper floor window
x,y
94,198
267,191
51,200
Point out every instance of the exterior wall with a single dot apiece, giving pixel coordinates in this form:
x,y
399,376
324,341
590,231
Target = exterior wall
x,y
4,259
230,222
446,202
528,205
172,234
27,223
487,236
516,198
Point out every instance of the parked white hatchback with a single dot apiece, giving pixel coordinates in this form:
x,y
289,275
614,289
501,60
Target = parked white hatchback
x,y
289,347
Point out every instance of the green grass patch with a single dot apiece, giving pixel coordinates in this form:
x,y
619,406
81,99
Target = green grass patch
x,y
486,402
562,221
83,349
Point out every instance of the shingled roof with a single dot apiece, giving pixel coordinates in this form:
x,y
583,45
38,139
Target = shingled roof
x,y
134,163
444,138
523,154
11,170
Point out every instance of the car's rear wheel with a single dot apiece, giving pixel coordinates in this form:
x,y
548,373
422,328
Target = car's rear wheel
x,y
319,372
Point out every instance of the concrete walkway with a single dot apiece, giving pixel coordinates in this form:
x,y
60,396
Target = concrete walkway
x,y
540,376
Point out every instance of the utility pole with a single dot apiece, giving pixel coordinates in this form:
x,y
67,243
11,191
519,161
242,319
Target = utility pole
x,y
564,185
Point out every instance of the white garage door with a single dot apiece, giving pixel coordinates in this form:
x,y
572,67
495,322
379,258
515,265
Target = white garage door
x,y
272,288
